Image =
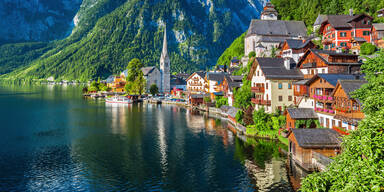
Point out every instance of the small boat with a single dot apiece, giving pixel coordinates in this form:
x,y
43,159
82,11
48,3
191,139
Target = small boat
x,y
118,99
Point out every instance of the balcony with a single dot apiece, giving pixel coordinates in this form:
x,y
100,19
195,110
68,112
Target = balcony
x,y
261,101
258,89
327,41
327,111
323,98
309,65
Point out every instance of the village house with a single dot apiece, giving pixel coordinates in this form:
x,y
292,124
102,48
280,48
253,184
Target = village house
x,y
316,61
178,83
230,84
299,114
301,97
321,87
348,110
338,30
311,148
196,82
295,48
214,83
268,33
378,34
196,99
271,83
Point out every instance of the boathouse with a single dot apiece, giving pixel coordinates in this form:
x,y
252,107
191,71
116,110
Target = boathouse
x,y
311,148
294,115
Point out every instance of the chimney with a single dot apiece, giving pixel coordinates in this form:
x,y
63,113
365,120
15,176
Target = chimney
x,y
287,64
351,12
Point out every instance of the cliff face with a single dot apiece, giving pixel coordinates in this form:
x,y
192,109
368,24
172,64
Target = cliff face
x,y
109,33
36,20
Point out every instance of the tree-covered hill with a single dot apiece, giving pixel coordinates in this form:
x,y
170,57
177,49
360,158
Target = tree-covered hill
x,y
198,32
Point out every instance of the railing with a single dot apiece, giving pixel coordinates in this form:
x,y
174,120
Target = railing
x,y
300,93
258,89
261,101
323,98
309,65
329,111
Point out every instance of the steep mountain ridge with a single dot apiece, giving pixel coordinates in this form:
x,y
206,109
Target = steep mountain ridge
x,y
199,31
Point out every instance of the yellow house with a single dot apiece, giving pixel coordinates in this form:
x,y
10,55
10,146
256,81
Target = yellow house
x,y
271,83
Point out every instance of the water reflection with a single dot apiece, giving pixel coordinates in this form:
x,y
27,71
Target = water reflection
x,y
296,174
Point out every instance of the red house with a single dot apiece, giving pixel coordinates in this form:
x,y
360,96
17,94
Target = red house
x,y
338,30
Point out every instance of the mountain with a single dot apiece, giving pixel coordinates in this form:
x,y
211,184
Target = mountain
x,y
109,33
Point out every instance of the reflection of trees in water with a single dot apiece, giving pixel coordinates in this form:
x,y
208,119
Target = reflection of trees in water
x,y
264,163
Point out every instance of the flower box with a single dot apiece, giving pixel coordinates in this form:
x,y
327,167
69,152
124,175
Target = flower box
x,y
330,98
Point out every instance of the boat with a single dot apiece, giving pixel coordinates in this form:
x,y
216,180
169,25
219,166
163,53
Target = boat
x,y
118,99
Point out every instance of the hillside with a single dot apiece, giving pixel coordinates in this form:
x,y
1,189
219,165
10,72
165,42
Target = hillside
x,y
198,33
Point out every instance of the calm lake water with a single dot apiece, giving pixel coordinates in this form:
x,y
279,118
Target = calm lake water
x,y
51,139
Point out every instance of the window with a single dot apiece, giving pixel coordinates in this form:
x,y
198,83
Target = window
x,y
321,80
266,86
289,98
368,22
352,34
343,34
289,86
333,35
326,47
257,73
343,44
366,33
323,71
280,98
333,45
280,86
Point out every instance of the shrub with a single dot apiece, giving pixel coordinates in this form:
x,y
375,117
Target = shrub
x,y
367,49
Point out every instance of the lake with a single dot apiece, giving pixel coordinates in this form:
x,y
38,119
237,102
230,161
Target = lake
x,y
52,139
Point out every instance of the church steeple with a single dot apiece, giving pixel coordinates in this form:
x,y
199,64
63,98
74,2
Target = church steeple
x,y
165,66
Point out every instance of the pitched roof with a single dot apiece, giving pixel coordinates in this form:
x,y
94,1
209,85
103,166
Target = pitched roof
x,y
378,26
350,86
317,52
340,21
216,76
273,68
359,39
301,82
197,96
238,78
317,138
296,43
333,78
302,113
320,19
277,28
147,70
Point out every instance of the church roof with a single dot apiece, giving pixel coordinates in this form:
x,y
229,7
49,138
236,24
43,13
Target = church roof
x,y
147,70
277,28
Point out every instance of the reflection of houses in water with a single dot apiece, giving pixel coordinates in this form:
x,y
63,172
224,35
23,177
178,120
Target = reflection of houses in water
x,y
296,174
272,178
195,121
118,114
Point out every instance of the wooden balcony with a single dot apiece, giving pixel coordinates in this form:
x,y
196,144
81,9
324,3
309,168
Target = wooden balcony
x,y
258,89
261,101
325,98
302,92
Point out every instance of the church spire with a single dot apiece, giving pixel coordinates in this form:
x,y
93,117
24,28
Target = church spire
x,y
164,53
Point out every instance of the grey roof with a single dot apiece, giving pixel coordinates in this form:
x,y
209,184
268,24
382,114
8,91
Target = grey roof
x,y
260,46
110,79
277,28
147,70
297,43
378,26
350,86
320,19
301,82
340,21
273,68
233,85
333,78
201,74
216,76
317,138
232,111
235,60
238,78
302,113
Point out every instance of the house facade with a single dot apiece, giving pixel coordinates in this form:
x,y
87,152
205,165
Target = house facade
x,y
229,85
348,110
271,83
196,82
295,48
307,146
378,34
214,82
338,30
316,61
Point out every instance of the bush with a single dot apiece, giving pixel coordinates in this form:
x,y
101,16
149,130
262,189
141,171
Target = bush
x,y
207,99
221,101
252,54
154,89
367,49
